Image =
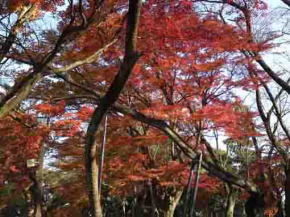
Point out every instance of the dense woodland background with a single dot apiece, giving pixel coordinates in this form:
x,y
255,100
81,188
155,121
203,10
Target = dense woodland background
x,y
158,108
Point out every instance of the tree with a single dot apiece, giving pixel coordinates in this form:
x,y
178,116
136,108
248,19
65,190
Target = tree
x,y
168,100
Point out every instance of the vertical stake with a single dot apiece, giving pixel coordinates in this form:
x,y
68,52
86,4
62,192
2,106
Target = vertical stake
x,y
196,181
101,162
188,188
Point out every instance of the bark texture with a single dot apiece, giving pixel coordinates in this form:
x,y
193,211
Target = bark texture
x,y
130,58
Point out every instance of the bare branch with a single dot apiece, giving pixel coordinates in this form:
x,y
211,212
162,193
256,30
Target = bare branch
x,y
87,60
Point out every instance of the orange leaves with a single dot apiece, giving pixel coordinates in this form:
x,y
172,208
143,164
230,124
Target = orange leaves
x,y
67,127
121,172
72,191
120,141
95,38
45,5
186,32
271,212
19,144
167,112
149,139
137,141
114,20
137,157
119,137
236,122
178,80
162,34
137,178
17,4
33,143
172,174
49,109
84,113
177,174
14,169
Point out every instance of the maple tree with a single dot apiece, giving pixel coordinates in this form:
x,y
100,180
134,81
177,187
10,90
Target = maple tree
x,y
23,143
183,73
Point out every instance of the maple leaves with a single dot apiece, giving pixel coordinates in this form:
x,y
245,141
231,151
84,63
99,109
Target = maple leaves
x,y
21,142
186,79
46,5
172,174
237,123
135,160
51,110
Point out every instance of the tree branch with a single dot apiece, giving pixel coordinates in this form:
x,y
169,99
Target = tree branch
x,y
130,58
87,60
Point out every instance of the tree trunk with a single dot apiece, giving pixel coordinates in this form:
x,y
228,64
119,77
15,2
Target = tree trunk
x,y
172,203
111,96
255,205
287,192
35,192
92,173
231,201
38,210
37,205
